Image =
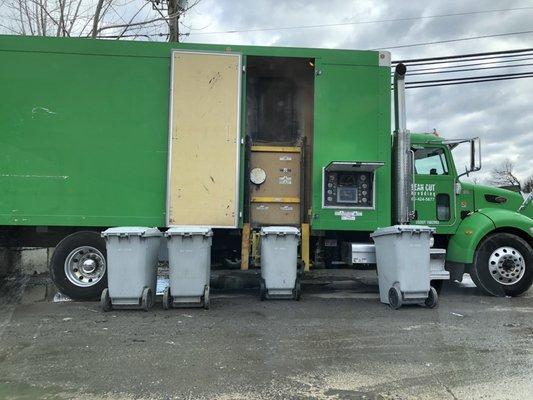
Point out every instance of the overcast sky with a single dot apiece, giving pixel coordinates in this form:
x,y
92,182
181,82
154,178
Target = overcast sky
x,y
500,113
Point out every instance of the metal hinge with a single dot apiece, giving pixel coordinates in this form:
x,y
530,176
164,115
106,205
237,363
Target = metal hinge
x,y
244,69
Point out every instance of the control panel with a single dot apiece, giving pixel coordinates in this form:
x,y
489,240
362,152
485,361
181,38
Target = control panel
x,y
349,185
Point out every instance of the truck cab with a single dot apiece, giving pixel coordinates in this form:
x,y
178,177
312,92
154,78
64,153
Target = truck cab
x,y
487,231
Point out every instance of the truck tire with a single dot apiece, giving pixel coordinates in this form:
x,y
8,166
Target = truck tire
x,y
78,266
503,265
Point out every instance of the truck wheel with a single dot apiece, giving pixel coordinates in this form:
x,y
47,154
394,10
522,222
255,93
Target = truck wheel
x,y
78,266
503,265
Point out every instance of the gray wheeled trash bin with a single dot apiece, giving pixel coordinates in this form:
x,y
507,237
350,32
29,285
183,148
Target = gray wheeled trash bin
x,y
189,259
279,263
132,256
403,261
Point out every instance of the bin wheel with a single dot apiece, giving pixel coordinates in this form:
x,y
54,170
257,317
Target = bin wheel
x,y
297,291
432,299
437,284
206,297
262,290
395,297
167,299
147,300
105,300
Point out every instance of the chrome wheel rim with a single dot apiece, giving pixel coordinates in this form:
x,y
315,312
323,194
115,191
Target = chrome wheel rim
x,y
507,265
85,266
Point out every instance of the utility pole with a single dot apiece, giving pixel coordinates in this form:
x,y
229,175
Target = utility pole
x,y
174,11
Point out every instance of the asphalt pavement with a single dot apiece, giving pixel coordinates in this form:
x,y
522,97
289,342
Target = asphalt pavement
x,y
338,342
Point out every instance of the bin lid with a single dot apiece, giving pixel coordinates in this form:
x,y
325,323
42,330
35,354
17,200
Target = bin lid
x,y
279,230
189,231
132,231
397,229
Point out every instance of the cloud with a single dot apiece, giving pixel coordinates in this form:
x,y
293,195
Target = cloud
x,y
498,112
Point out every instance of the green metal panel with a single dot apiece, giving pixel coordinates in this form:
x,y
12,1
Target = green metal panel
x,y
352,123
84,126
83,138
463,243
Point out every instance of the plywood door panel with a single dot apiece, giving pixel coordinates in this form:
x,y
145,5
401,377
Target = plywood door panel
x,y
203,184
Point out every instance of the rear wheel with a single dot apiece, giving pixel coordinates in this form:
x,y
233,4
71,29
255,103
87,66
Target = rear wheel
x,y
78,266
503,265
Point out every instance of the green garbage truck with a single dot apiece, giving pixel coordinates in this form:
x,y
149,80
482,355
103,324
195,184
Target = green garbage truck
x,y
97,134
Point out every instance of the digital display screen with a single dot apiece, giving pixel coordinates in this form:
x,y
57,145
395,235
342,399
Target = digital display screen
x,y
346,195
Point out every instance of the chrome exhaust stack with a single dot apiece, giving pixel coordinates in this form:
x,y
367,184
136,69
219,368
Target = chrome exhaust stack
x,y
402,156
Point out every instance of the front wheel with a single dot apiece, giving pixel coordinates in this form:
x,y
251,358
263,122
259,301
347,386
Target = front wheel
x,y
503,265
78,266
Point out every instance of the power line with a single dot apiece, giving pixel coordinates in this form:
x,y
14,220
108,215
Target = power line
x,y
459,56
471,81
359,22
465,79
511,56
453,40
469,69
470,65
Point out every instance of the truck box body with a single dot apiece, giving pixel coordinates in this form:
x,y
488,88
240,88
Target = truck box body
x,y
84,128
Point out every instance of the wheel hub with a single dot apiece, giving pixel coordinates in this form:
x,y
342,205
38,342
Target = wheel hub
x,y
85,266
89,266
507,265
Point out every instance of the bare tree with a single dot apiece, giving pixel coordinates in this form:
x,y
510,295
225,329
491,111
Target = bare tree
x,y
527,187
504,175
108,19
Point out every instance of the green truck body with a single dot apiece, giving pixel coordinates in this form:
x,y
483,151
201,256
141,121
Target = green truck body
x,y
84,129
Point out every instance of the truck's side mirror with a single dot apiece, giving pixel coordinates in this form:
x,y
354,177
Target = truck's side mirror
x,y
475,155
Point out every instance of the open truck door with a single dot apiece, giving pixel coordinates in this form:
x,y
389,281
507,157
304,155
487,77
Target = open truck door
x,y
204,139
